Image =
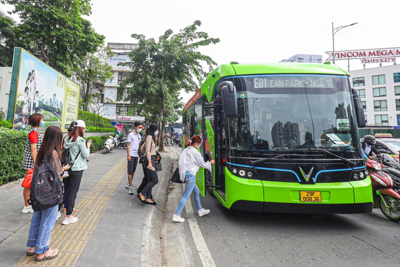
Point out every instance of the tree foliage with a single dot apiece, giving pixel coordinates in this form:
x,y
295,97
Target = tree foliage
x,y
91,69
57,29
162,68
6,37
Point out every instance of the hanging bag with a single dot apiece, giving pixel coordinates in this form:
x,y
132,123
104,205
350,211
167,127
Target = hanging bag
x,y
28,179
46,188
143,154
176,177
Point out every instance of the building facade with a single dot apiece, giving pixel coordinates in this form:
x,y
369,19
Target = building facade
x,y
5,83
379,90
106,103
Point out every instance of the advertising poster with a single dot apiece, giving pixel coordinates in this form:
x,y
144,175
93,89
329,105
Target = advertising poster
x,y
117,58
113,80
71,100
38,88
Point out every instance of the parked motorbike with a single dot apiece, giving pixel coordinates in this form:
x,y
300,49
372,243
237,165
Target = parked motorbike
x,y
386,189
168,141
108,145
123,143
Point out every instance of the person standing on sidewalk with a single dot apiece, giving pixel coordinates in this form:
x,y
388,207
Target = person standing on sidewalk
x,y
134,139
32,147
189,163
150,147
76,144
43,221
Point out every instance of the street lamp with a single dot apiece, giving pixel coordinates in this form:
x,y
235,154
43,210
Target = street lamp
x,y
334,31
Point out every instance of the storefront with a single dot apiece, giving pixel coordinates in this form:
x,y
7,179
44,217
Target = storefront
x,y
125,124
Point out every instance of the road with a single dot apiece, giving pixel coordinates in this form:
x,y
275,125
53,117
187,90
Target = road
x,y
236,238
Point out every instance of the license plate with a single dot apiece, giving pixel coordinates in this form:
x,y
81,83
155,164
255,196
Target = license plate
x,y
310,196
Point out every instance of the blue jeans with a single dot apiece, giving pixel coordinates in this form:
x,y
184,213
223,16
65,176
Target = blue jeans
x,y
191,186
41,226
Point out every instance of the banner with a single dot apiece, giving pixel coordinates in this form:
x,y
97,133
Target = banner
x,y
38,88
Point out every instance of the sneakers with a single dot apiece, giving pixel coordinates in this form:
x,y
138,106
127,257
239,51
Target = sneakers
x,y
177,218
128,187
58,215
27,209
203,212
69,220
131,191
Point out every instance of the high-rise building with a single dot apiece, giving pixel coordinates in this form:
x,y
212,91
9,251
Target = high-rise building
x,y
304,58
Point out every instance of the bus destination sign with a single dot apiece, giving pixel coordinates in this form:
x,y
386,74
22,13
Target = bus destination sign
x,y
292,82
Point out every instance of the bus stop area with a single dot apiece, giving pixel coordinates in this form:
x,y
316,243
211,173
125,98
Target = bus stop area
x,y
114,228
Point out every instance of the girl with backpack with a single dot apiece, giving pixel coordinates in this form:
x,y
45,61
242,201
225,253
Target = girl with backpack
x,y
79,152
43,220
189,163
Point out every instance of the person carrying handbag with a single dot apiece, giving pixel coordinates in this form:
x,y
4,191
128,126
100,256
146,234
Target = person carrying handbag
x,y
150,148
43,221
189,164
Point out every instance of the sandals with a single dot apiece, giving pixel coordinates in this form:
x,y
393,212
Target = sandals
x,y
29,254
51,254
141,200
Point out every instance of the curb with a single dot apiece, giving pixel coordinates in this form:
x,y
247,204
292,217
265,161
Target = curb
x,y
151,239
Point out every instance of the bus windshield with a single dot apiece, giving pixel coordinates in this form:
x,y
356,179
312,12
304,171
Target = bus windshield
x,y
292,113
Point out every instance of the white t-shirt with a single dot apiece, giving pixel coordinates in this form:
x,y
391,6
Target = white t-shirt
x,y
134,140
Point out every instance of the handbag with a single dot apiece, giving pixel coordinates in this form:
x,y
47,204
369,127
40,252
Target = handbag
x,y
158,166
28,179
176,177
143,155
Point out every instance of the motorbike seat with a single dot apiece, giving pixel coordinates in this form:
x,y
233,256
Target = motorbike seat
x,y
394,171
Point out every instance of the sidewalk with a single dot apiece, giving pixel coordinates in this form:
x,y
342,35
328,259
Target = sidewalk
x,y
114,228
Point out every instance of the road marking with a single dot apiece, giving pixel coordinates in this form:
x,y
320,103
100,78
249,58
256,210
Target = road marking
x,y
71,239
201,246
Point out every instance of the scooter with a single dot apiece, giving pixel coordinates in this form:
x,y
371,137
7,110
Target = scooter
x,y
386,190
108,145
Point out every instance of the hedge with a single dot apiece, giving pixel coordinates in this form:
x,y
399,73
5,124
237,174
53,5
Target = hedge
x,y
94,120
12,146
6,124
94,129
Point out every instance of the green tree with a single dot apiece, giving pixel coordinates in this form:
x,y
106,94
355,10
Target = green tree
x,y
162,68
91,69
57,29
6,36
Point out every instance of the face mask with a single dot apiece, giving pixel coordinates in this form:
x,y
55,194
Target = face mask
x,y
41,124
139,130
156,133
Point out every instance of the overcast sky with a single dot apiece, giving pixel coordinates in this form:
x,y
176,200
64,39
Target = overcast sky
x,y
256,31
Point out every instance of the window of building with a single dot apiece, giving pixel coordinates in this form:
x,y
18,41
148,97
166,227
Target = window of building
x,y
380,91
122,76
361,93
397,90
397,104
122,110
378,79
364,104
396,77
380,105
365,116
382,120
358,82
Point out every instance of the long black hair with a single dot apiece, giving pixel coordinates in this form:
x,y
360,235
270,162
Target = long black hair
x,y
52,141
151,130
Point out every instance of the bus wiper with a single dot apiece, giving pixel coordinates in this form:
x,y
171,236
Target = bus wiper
x,y
257,162
351,163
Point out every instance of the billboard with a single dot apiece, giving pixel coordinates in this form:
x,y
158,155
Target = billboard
x,y
38,88
117,58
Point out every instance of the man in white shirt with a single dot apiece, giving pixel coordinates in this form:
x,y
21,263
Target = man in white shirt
x,y
132,148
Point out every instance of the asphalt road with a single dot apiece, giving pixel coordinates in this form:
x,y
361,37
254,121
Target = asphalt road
x,y
236,238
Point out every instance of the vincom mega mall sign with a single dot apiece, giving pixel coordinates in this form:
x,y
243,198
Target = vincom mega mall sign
x,y
378,55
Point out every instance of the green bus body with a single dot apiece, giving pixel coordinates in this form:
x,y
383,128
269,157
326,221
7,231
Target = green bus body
x,y
252,194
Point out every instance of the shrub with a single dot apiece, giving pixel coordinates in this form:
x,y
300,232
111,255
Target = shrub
x,y
97,143
12,147
94,129
8,124
94,120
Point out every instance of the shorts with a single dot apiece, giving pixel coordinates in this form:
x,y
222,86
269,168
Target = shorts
x,y
132,164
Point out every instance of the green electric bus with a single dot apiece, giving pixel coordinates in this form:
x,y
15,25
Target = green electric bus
x,y
284,137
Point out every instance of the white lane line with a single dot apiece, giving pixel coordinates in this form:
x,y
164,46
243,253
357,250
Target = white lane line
x,y
201,246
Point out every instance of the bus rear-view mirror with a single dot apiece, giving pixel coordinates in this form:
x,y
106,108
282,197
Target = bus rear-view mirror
x,y
359,109
229,99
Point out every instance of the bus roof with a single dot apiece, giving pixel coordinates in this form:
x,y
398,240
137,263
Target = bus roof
x,y
235,69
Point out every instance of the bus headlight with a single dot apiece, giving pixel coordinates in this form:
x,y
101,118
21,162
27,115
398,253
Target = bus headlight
x,y
362,175
358,175
355,176
234,170
249,174
242,173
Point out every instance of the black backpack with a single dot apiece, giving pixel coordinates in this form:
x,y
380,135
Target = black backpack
x,y
46,187
66,157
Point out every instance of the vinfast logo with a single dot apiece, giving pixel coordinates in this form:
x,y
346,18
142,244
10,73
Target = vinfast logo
x,y
308,175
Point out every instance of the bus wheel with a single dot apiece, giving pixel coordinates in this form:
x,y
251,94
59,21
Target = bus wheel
x,y
209,180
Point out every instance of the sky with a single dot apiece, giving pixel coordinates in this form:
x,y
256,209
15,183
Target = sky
x,y
256,31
